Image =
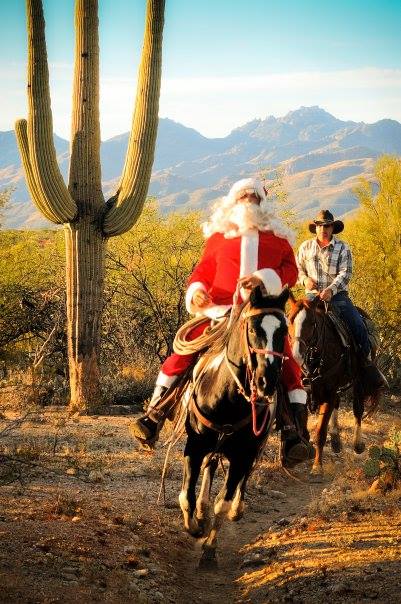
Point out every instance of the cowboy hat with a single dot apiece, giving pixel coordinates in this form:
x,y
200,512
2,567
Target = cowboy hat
x,y
326,218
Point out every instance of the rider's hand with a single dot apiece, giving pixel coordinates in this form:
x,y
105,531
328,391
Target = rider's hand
x,y
310,284
250,282
201,299
326,295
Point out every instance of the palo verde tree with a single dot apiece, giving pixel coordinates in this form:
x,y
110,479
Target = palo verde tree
x,y
88,219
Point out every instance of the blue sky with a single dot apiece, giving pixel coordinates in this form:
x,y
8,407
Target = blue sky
x,y
225,61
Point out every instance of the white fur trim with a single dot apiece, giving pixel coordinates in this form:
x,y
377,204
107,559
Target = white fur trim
x,y
216,311
249,257
165,380
249,253
297,396
247,183
271,281
190,292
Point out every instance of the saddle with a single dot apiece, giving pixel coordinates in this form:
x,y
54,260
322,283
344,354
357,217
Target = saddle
x,y
345,335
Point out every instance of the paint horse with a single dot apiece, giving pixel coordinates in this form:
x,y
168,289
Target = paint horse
x,y
329,368
230,414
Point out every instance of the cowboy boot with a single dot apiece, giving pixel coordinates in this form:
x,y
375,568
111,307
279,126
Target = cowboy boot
x,y
146,429
296,445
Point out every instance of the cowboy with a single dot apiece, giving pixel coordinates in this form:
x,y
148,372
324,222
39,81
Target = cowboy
x,y
245,246
325,269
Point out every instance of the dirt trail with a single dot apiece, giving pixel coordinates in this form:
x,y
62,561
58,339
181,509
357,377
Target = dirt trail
x,y
268,511
90,530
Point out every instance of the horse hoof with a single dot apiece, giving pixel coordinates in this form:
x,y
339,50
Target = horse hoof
x,y
236,516
316,475
359,447
203,527
208,560
195,532
336,444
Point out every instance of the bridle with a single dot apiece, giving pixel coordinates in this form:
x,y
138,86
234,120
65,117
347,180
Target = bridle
x,y
312,366
253,312
252,397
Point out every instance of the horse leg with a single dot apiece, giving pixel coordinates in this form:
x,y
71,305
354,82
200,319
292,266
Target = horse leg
x,y
325,411
335,438
203,501
237,507
192,464
237,472
358,408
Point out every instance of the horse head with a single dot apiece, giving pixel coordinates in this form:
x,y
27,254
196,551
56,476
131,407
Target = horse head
x,y
265,329
304,325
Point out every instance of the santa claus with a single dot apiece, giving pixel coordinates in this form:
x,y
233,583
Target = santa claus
x,y
245,245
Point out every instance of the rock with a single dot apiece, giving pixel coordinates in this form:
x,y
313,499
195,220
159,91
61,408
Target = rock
x,y
275,493
338,588
158,595
75,518
96,476
283,522
71,471
141,572
128,549
132,561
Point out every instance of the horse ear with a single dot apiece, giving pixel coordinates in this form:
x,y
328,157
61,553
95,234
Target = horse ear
x,y
256,297
283,297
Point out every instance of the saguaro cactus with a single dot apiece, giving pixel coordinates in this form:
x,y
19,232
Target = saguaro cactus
x,y
89,220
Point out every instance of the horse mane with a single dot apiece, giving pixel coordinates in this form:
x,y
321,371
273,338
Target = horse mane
x,y
297,305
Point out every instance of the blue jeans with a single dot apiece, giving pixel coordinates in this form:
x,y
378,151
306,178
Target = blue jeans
x,y
347,311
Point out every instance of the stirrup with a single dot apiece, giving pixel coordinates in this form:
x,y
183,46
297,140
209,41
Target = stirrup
x,y
143,434
298,453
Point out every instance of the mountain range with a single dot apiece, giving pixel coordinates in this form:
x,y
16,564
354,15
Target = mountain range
x,y
320,158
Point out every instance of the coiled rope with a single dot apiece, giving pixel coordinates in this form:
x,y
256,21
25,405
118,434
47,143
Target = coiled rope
x,y
214,334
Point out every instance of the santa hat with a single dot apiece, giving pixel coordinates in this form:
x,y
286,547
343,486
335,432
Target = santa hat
x,y
246,184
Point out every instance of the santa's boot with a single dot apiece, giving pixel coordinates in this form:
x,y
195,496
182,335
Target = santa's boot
x,y
147,427
296,447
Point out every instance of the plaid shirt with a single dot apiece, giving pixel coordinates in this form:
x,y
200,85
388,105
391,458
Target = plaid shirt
x,y
330,266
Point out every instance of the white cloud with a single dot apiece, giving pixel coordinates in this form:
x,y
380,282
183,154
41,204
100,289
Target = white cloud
x,y
214,106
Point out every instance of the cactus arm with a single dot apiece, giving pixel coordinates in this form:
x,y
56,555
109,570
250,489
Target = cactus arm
x,y
85,172
50,190
22,140
126,206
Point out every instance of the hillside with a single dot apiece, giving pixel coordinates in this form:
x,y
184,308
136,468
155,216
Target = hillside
x,y
321,157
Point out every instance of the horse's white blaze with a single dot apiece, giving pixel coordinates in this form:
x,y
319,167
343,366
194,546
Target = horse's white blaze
x,y
270,324
296,348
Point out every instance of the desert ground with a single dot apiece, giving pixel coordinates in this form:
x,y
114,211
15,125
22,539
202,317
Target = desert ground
x,y
80,520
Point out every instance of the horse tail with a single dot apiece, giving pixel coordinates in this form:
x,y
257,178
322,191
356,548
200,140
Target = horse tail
x,y
372,402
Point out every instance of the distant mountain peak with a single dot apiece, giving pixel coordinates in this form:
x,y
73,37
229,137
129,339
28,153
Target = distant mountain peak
x,y
310,114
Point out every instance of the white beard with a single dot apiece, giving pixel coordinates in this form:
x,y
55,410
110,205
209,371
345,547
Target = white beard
x,y
234,219
245,216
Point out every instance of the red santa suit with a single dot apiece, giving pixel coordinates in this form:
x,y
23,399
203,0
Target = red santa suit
x,y
224,261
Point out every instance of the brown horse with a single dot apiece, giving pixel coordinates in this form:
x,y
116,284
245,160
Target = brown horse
x,y
328,369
